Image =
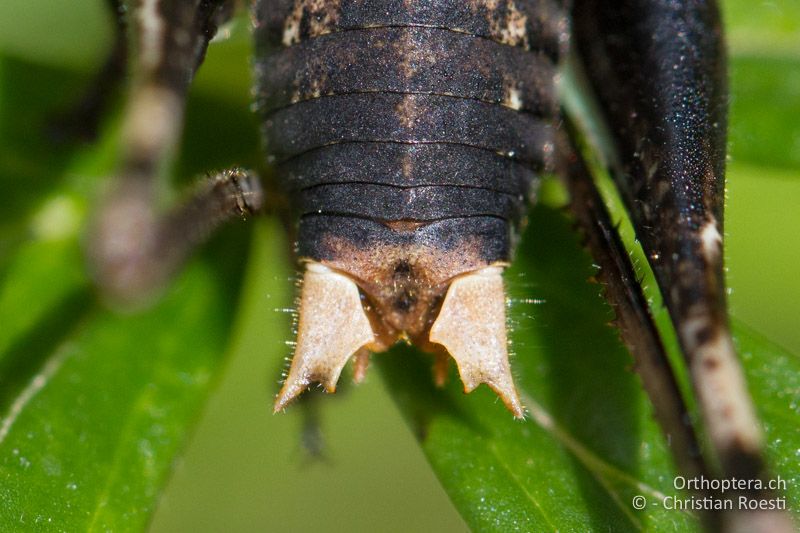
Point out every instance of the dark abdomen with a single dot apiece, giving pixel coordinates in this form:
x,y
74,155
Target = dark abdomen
x,y
408,133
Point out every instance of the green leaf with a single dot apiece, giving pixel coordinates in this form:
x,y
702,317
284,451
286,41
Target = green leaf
x,y
773,376
590,444
34,31
765,139
95,407
87,440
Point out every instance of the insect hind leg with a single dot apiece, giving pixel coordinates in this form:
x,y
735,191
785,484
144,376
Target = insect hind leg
x,y
169,40
134,245
134,249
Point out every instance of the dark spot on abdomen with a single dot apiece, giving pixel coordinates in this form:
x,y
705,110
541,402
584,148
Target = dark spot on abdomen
x,y
402,268
404,301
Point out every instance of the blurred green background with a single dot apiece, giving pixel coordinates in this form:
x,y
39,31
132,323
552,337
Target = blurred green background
x,y
245,467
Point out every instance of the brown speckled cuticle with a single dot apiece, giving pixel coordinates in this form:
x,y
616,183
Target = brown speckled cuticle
x,y
408,135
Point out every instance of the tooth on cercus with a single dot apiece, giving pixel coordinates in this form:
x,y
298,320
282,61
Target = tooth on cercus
x,y
472,327
331,328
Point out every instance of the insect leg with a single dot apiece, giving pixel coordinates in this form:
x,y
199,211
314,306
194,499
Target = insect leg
x,y
133,249
83,118
658,70
135,244
636,326
168,43
633,318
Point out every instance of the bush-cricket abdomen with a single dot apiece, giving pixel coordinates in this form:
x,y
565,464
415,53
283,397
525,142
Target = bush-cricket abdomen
x,y
409,136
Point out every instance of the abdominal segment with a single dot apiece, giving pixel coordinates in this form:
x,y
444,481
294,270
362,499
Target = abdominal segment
x,y
410,136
